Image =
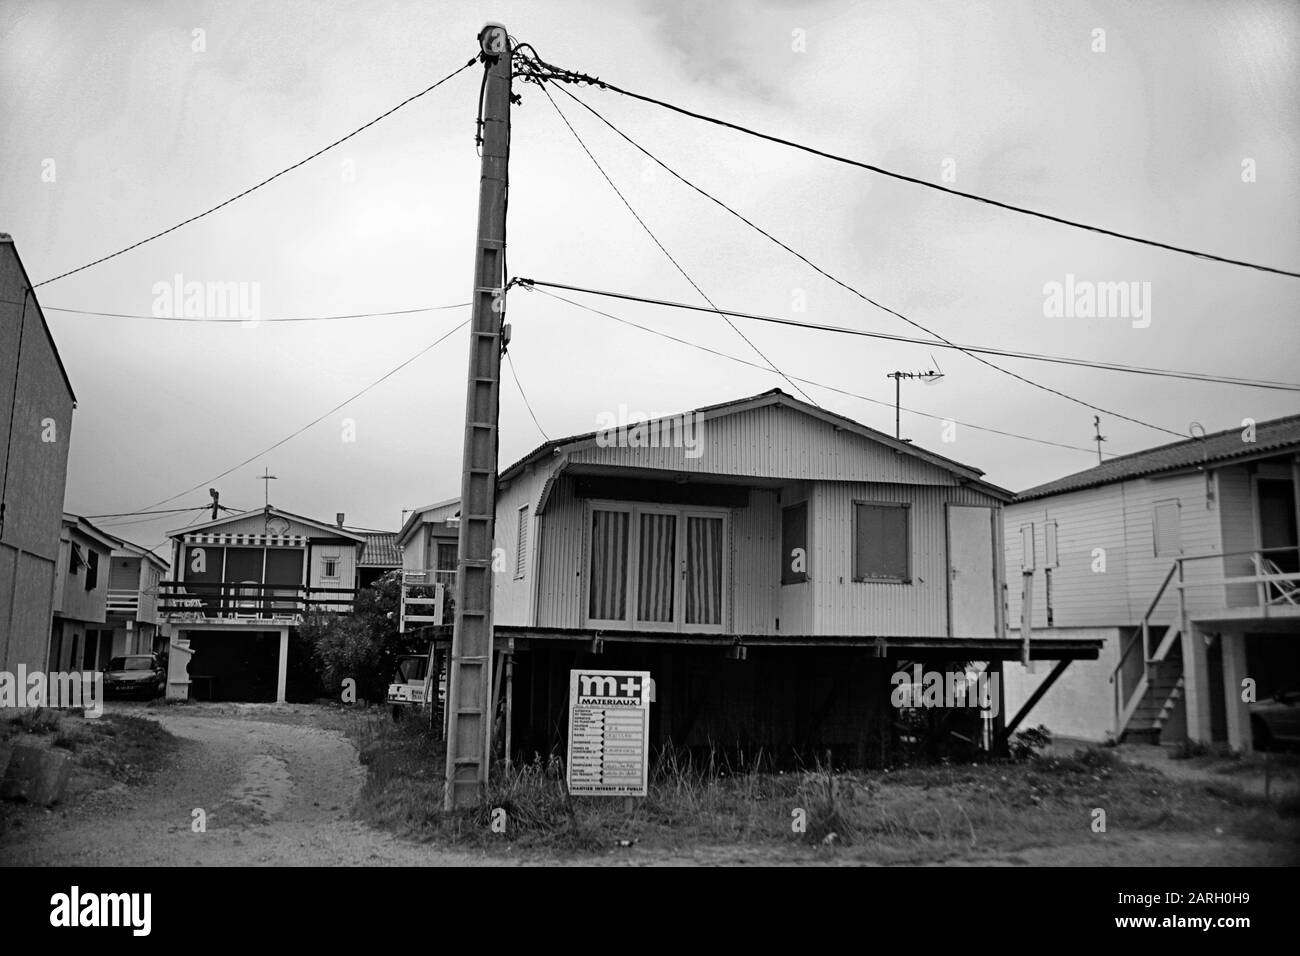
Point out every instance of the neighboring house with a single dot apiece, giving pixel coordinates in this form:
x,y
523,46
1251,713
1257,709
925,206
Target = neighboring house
x,y
380,555
771,564
430,543
80,636
242,585
1184,559
36,403
133,578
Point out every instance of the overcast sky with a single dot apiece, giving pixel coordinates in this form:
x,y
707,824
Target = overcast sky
x,y
1148,136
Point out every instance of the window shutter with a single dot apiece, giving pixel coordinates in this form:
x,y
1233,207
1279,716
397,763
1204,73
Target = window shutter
x,y
521,546
1026,547
794,544
881,542
1166,518
1051,557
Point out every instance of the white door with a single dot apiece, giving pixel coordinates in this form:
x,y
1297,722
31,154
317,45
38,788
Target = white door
x,y
972,589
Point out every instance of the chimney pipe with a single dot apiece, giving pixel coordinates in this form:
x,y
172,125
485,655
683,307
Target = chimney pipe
x,y
338,518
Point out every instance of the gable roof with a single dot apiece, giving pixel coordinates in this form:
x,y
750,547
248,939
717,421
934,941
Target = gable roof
x,y
135,550
777,397
334,530
84,527
381,551
415,517
1278,434
7,241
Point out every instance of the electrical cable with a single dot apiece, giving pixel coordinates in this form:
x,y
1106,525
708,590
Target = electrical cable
x,y
889,337
186,222
806,381
317,420
662,249
569,76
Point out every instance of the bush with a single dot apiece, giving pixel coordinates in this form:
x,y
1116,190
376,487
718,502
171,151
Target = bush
x,y
1026,743
363,645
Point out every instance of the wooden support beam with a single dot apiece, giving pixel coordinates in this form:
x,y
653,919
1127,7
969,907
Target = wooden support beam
x,y
1005,733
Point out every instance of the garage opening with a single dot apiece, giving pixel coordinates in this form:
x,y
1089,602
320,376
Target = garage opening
x,y
234,665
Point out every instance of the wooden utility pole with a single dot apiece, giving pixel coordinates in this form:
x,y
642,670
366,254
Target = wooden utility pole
x,y
469,681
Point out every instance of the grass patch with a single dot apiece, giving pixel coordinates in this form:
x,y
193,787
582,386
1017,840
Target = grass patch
x,y
909,815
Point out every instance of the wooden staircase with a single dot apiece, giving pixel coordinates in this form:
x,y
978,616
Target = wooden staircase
x,y
1163,691
1148,689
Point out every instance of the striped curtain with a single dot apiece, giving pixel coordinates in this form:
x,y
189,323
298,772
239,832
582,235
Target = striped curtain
x,y
657,559
703,570
608,600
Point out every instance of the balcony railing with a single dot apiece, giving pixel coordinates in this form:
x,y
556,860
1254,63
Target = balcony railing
x,y
125,601
428,598
198,602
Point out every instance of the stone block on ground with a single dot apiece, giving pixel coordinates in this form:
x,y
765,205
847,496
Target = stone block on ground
x,y
36,774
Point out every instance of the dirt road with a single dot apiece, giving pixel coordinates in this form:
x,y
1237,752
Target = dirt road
x,y
271,794
277,789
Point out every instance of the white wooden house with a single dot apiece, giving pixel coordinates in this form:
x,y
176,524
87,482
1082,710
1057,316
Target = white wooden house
x,y
36,405
136,626
1183,559
242,584
80,637
769,562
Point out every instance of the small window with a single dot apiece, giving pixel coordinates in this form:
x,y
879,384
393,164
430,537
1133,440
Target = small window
x,y
92,569
1026,547
330,567
521,544
447,555
881,542
1166,531
794,544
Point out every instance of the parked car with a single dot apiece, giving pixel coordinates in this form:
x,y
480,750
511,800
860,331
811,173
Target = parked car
x,y
1275,722
135,675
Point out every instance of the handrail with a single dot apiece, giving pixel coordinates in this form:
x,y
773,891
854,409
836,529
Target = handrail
x,y
1173,569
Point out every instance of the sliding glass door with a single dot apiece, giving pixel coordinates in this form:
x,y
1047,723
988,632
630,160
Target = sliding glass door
x,y
652,567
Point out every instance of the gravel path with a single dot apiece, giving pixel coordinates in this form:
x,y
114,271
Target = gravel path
x,y
273,794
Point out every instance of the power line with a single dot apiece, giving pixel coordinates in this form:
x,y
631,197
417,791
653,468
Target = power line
x,y
911,340
317,420
132,514
152,518
806,381
868,299
206,212
524,396
570,76
656,241
295,318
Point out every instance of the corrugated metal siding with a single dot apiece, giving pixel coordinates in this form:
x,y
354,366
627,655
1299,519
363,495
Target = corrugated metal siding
x,y
561,558
755,565
777,442
512,598
413,552
919,609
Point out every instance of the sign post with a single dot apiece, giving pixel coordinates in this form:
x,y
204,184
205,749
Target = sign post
x,y
609,732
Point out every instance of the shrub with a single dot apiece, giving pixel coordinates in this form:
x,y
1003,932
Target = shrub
x,y
1026,743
